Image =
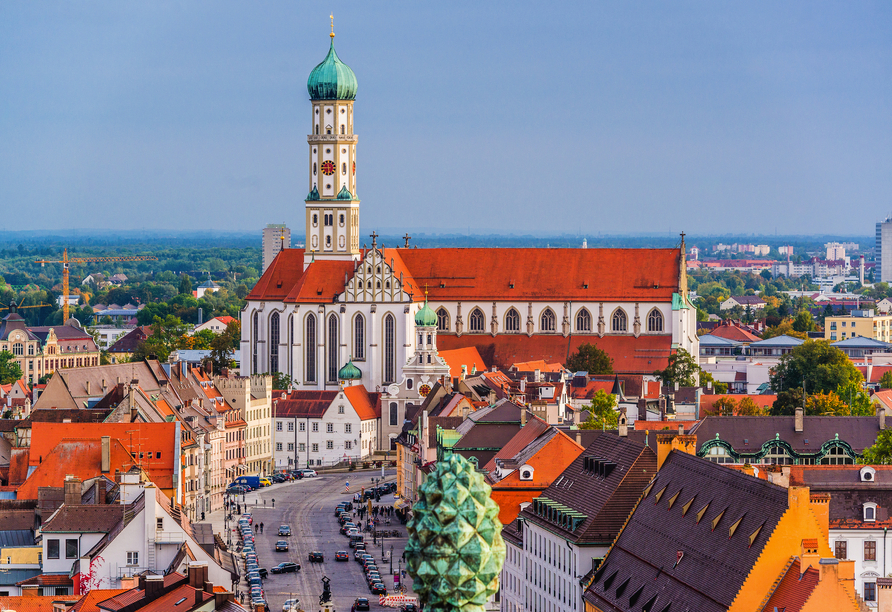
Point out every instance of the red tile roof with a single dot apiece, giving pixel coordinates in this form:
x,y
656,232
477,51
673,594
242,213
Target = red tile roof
x,y
733,332
226,319
30,603
367,405
467,356
88,602
532,366
794,589
642,355
304,404
466,274
48,580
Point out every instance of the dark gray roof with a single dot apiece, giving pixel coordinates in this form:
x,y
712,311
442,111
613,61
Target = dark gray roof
x,y
747,434
14,576
860,342
747,299
713,566
780,341
16,537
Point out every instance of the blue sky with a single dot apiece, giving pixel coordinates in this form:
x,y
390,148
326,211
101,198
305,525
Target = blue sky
x,y
498,116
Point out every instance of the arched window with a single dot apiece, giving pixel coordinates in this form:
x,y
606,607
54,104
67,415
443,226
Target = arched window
x,y
389,349
837,456
583,321
310,348
255,325
777,455
394,413
317,129
719,454
476,321
274,343
18,349
619,322
512,321
30,349
655,321
359,338
442,320
332,345
546,321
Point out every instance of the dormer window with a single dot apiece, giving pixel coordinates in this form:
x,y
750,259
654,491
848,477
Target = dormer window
x,y
868,474
526,473
870,512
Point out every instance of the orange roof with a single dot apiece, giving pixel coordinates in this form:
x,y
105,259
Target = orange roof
x,y
876,373
467,356
29,603
367,405
532,366
794,588
589,390
547,274
88,602
641,425
733,332
226,319
707,402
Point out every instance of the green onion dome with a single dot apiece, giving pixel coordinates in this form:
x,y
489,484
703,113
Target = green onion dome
x,y
332,79
426,317
349,372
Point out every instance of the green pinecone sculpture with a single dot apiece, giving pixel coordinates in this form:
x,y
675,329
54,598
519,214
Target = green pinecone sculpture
x,y
455,550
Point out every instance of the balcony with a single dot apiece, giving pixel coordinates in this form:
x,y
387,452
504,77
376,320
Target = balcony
x,y
332,138
169,537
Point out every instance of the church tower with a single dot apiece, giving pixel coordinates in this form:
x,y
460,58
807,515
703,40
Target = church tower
x,y
332,204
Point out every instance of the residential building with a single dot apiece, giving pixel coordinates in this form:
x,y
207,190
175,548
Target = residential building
x,y
107,335
774,347
835,251
315,428
207,286
863,323
565,532
276,237
73,300
40,351
710,539
124,347
859,347
752,302
216,325
252,397
883,251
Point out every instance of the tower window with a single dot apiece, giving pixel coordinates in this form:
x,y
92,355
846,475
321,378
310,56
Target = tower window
x,y
328,241
343,130
342,220
317,129
314,168
343,165
315,219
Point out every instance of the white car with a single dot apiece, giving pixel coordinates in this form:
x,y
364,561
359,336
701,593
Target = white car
x,y
291,605
309,473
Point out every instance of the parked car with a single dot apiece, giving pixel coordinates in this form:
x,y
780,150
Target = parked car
x,y
379,589
308,473
237,489
361,603
291,604
409,607
250,481
297,474
265,482
285,567
316,557
347,527
342,555
284,530
281,546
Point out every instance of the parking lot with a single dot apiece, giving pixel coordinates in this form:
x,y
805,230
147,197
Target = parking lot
x,y
308,507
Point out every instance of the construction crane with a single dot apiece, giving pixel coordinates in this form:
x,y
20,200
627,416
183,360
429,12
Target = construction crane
x,y
65,261
13,307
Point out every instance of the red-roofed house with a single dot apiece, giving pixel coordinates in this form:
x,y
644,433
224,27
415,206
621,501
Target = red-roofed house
x,y
217,324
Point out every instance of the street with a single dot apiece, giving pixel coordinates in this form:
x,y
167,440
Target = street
x,y
308,507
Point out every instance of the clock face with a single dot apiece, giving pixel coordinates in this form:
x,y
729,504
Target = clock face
x,y
328,167
423,390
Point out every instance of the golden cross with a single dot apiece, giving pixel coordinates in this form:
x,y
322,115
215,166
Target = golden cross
x,y
332,25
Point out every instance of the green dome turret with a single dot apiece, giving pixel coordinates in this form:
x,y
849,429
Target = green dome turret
x,y
332,79
426,317
349,372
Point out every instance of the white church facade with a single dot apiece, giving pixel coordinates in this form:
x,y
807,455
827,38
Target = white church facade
x,y
314,310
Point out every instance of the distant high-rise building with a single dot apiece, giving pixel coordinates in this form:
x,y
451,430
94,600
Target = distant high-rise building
x,y
835,251
276,236
883,270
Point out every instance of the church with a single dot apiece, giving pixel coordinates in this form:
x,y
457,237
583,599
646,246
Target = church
x,y
388,311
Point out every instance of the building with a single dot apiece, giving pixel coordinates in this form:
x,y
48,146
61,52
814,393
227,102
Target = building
x,y
835,251
863,323
858,347
252,397
276,237
316,428
752,302
883,252
710,539
124,347
207,286
217,324
567,530
312,311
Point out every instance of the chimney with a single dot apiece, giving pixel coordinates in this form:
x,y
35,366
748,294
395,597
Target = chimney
x,y
87,384
209,587
681,429
523,384
198,574
881,415
72,490
748,469
799,419
623,424
537,375
154,587
808,555
100,490
106,454
523,417
579,438
884,594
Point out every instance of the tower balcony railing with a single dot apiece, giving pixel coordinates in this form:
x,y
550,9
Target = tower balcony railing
x,y
332,138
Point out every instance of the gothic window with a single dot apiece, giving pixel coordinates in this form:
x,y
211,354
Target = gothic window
x,y
655,321
291,329
476,321
274,343
512,321
546,322
254,340
369,285
332,345
389,349
310,348
584,321
619,322
442,320
393,414
359,338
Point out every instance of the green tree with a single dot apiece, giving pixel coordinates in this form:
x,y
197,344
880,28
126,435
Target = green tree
x,y
804,322
282,381
185,285
822,367
784,328
602,412
881,452
9,368
202,339
825,404
682,369
857,400
748,407
786,403
241,291
886,380
724,406
223,345
166,337
589,358
718,387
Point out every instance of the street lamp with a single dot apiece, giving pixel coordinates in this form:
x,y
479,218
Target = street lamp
x,y
391,558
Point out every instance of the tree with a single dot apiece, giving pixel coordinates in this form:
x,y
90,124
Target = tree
x,y
822,367
786,402
825,404
223,345
9,368
886,380
167,334
682,369
185,285
784,328
589,358
602,413
804,322
202,339
724,406
881,452
706,378
282,381
748,407
857,400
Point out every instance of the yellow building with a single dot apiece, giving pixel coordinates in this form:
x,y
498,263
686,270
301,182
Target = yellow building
x,y
861,323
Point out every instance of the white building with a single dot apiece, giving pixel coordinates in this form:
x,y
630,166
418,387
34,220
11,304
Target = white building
x,y
835,251
883,271
276,237
217,324
317,428
312,311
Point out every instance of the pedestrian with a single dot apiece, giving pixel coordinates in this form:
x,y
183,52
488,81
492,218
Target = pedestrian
x,y
256,528
261,527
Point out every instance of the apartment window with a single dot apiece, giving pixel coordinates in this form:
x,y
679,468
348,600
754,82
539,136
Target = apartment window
x,y
348,427
132,557
278,446
290,446
315,447
71,548
290,425
840,552
870,591
348,445
302,447
302,427
870,550
278,425
329,445
315,427
52,549
340,410
329,428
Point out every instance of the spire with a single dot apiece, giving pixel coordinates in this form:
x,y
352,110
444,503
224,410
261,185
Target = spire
x,y
683,271
332,27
